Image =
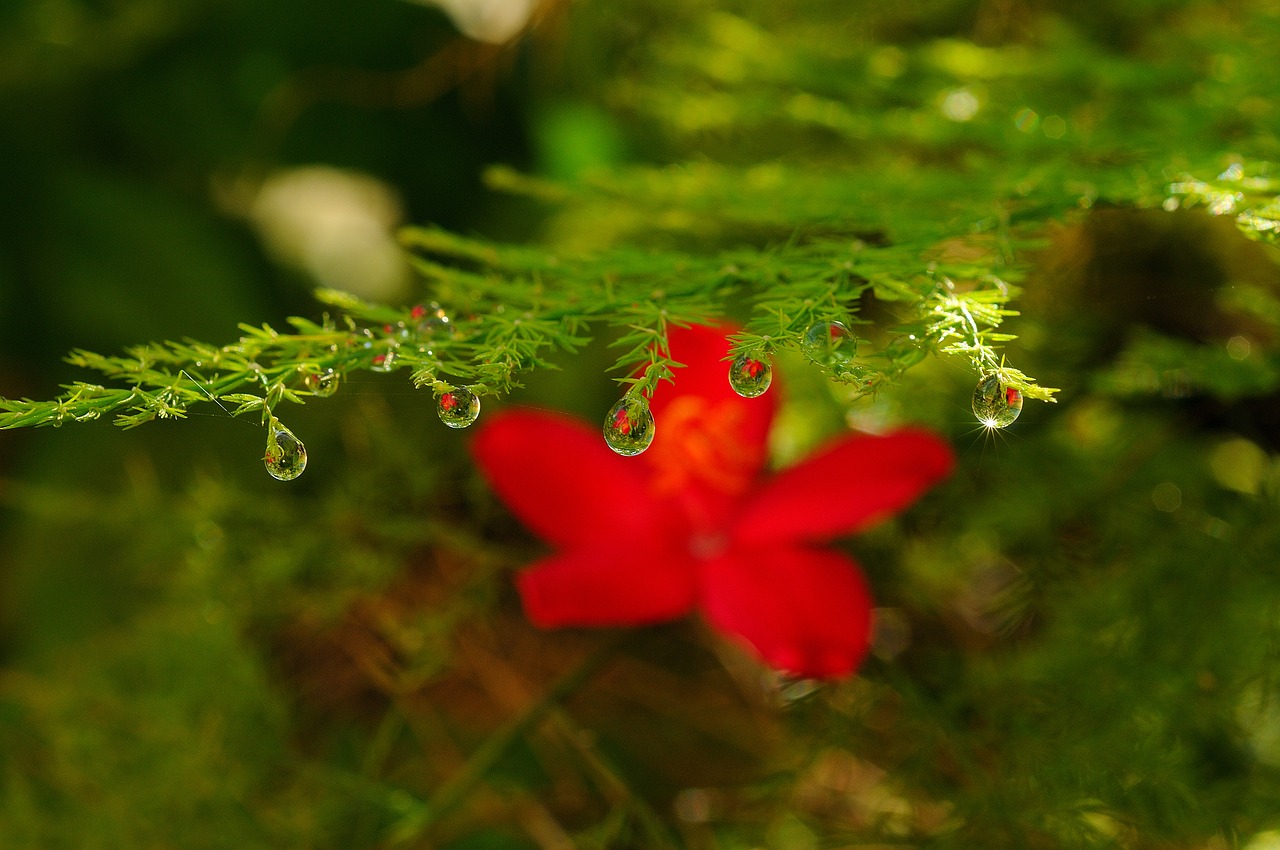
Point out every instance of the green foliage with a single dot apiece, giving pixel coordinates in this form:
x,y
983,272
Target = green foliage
x,y
890,218
927,164
520,305
1252,196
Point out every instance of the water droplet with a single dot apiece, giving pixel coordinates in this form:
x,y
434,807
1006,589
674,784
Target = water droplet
x,y
995,404
432,320
286,457
750,377
458,408
384,362
831,344
628,429
322,384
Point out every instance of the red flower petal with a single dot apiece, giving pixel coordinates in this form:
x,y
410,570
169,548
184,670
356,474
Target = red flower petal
x,y
710,443
844,488
617,585
806,612
564,483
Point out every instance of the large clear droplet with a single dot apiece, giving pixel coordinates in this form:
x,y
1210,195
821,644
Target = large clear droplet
x,y
831,344
458,408
286,457
322,384
995,404
629,429
750,377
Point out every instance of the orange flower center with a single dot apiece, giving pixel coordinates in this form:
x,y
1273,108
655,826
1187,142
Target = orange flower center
x,y
698,447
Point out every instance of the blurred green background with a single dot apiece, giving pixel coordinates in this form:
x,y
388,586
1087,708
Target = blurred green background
x,y
139,142
1088,614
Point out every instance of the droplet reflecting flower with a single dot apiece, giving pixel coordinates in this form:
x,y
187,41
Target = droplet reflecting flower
x,y
995,404
629,428
286,456
322,384
432,320
399,331
750,377
458,408
831,344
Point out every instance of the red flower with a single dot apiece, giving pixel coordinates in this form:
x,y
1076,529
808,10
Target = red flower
x,y
692,524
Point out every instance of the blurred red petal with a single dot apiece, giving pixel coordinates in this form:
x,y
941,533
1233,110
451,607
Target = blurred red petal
x,y
805,612
844,488
710,442
563,482
616,585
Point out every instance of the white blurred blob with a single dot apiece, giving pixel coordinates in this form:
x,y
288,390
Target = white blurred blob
x,y
338,226
494,21
960,105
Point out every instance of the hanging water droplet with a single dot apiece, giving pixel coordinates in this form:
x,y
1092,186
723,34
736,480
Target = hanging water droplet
x,y
286,457
750,377
458,408
384,362
995,404
628,429
322,384
831,344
